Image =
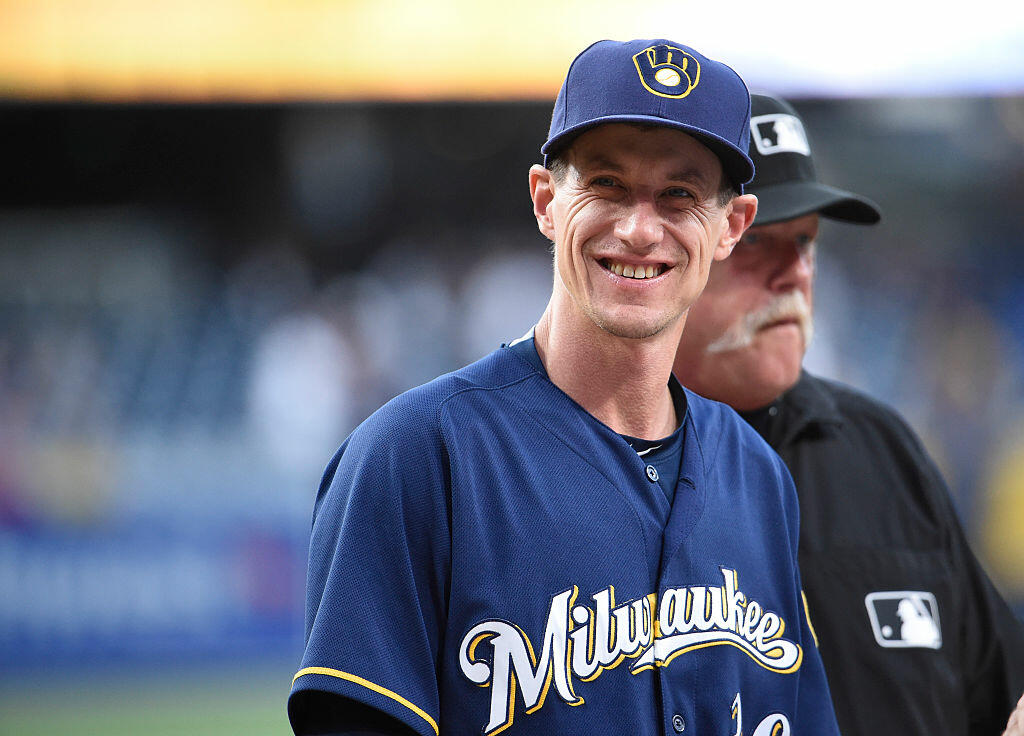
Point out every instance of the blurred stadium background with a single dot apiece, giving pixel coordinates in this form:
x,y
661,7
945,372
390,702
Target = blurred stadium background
x,y
230,230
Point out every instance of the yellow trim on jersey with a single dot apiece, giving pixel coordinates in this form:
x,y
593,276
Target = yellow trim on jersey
x,y
370,686
807,613
724,642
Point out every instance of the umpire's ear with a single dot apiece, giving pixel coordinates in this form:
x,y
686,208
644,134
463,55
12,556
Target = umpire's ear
x,y
542,192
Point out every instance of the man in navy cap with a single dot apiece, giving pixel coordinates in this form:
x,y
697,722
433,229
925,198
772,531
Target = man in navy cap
x,y
559,539
915,639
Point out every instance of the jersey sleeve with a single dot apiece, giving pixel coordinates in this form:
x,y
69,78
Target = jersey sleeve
x,y
814,702
812,711
378,572
815,712
995,645
991,634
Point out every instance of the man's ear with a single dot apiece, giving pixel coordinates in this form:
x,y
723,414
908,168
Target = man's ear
x,y
739,216
542,192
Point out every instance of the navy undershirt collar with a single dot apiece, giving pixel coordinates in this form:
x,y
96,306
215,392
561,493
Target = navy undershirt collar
x,y
663,455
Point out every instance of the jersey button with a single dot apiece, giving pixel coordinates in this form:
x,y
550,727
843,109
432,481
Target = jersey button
x,y
678,723
652,473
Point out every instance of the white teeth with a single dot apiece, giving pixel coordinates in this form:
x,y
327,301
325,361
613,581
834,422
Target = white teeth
x,y
633,272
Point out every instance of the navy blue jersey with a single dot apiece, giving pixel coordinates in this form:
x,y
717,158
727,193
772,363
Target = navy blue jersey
x,y
486,556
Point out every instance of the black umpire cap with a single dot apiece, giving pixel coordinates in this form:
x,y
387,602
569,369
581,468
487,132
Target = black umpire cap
x,y
784,181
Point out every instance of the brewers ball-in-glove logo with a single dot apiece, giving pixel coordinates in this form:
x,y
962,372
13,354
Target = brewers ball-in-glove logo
x,y
667,71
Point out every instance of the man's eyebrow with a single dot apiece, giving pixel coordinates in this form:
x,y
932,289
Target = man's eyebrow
x,y
599,161
602,162
689,174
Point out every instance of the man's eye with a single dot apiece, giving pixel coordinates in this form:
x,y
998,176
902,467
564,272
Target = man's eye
x,y
603,181
678,192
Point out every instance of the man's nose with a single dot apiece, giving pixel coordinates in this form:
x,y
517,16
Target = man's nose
x,y
641,226
795,267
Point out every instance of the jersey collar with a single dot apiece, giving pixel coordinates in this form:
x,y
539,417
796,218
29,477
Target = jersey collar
x,y
806,407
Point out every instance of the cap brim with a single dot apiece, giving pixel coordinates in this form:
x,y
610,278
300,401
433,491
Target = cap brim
x,y
779,202
735,163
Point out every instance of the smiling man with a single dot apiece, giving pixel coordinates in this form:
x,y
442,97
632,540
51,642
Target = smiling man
x,y
559,539
915,639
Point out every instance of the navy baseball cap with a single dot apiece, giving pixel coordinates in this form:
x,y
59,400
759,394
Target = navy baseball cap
x,y
786,184
659,82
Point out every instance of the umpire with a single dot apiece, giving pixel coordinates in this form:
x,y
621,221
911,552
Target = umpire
x,y
915,639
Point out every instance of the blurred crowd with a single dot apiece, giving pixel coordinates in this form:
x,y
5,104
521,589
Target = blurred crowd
x,y
166,409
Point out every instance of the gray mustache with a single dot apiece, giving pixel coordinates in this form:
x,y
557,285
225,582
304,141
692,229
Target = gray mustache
x,y
789,306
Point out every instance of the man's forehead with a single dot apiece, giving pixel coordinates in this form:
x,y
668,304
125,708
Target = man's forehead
x,y
617,146
796,226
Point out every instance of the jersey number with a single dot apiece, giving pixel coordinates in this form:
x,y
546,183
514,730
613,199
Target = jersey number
x,y
774,725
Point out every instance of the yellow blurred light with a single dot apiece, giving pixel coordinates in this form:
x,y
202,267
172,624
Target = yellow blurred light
x,y
297,49
1003,519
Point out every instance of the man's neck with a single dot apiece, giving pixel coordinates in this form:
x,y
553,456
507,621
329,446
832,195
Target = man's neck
x,y
622,382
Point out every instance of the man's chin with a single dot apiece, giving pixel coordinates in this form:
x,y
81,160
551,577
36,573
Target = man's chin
x,y
768,369
777,375
783,342
760,392
746,379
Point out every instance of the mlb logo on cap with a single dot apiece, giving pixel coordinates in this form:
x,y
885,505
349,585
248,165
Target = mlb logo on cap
x,y
786,184
779,133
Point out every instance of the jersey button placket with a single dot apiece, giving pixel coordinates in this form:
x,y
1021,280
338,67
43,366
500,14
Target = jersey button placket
x,y
652,473
678,724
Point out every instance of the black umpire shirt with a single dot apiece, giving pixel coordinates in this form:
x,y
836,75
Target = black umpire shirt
x,y
914,637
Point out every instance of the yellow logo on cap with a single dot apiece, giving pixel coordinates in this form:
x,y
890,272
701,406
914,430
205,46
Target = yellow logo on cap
x,y
667,71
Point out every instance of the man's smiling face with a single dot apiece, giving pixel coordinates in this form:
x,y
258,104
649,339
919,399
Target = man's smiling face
x,y
637,218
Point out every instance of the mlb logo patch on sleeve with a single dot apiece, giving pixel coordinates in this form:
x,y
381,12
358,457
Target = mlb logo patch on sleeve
x,y
905,618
